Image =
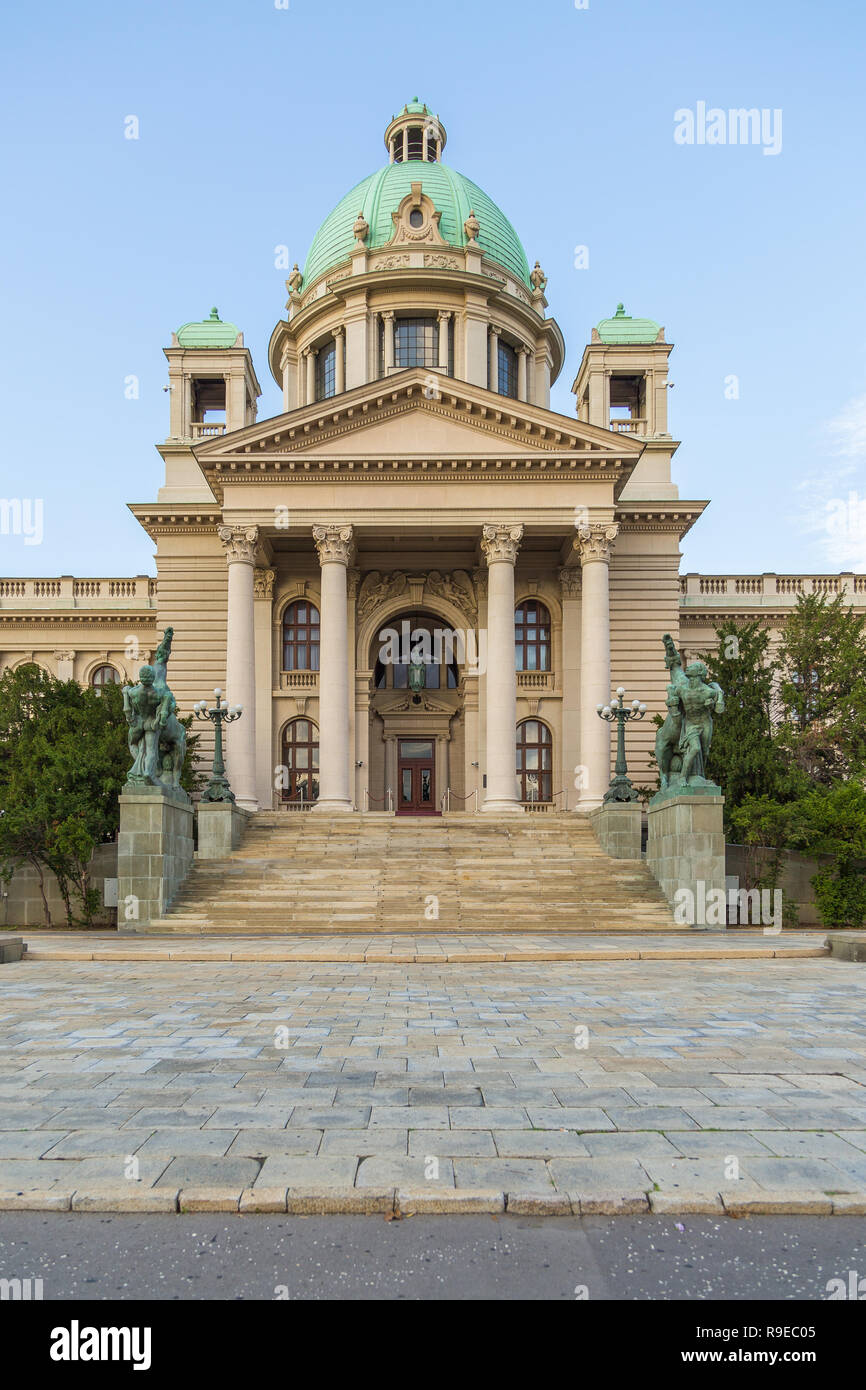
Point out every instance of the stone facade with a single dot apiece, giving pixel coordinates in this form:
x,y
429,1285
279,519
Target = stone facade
x,y
416,475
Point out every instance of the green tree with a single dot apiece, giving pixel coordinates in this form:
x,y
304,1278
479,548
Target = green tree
x,y
832,821
63,760
822,689
744,757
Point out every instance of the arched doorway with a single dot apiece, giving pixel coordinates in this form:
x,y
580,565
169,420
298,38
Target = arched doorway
x,y
534,761
300,763
416,664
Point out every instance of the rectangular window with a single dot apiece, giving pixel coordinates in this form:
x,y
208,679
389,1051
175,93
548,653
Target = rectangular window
x,y
326,371
416,343
507,373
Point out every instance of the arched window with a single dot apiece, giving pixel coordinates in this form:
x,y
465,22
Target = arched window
x,y
300,761
326,371
532,637
104,675
301,637
420,639
534,761
507,371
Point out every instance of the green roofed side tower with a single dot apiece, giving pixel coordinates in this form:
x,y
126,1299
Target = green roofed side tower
x,y
416,266
212,381
622,385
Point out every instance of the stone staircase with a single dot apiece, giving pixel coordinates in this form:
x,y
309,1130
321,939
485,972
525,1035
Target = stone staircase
x,y
302,873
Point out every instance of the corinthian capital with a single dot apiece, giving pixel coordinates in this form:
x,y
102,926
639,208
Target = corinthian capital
x,y
334,544
594,541
240,543
501,543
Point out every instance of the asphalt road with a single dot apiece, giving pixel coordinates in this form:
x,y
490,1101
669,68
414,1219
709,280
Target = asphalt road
x,y
118,1257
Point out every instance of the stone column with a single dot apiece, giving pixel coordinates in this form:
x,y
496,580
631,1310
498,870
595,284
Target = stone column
x,y
493,360
500,545
310,395
339,362
569,680
593,544
522,358
263,607
444,322
334,544
240,546
388,320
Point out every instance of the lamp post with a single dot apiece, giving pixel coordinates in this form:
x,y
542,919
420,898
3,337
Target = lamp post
x,y
620,788
218,788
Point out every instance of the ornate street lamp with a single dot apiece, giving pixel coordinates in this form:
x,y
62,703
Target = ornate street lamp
x,y
218,788
620,788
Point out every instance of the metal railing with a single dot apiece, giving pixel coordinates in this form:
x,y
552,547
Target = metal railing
x,y
386,801
445,802
551,805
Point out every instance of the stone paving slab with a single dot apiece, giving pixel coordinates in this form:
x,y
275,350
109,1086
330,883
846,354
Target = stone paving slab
x,y
534,1087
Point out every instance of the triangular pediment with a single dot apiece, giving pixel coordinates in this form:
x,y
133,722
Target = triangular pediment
x,y
421,422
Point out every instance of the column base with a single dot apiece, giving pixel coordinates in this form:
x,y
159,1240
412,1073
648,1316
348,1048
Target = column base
x,y
331,808
247,803
503,808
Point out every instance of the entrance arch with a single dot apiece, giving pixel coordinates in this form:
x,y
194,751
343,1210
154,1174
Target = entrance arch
x,y
414,658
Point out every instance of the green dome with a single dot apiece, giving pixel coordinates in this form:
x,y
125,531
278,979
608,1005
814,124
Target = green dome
x,y
379,195
622,328
209,333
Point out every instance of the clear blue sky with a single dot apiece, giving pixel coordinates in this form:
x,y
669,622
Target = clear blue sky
x,y
254,121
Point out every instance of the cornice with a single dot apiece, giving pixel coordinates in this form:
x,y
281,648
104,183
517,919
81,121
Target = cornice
x,y
676,518
52,619
176,521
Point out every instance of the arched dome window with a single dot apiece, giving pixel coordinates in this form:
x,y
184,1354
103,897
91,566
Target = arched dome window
x,y
301,631
300,759
104,675
531,636
534,761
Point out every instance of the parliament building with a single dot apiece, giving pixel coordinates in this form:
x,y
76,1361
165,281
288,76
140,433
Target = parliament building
x,y
418,580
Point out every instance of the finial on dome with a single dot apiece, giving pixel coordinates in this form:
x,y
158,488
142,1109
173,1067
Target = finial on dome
x,y
214,315
361,228
538,279
472,227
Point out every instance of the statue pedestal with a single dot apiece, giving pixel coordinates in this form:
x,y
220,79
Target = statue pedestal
x,y
617,826
154,852
221,826
686,853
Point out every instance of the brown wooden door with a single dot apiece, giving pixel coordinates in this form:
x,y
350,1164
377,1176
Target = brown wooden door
x,y
416,777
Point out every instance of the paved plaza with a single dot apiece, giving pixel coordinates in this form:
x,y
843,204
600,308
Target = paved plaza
x,y
571,1087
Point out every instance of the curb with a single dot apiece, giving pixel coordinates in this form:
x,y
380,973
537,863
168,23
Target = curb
x,y
359,1201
